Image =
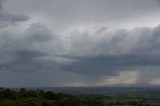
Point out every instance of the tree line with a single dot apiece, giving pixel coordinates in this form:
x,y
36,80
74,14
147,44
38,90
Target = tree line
x,y
24,97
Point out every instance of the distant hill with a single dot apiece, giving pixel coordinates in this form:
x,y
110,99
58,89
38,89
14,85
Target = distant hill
x,y
116,90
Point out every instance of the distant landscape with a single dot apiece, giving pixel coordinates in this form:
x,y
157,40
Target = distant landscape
x,y
79,52
81,96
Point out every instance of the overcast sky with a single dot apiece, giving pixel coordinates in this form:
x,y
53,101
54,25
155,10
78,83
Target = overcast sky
x,y
47,43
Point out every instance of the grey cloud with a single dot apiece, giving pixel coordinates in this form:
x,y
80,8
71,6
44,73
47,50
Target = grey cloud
x,y
7,18
10,19
21,61
64,14
1,1
121,50
84,52
38,32
158,1
91,52
22,51
110,65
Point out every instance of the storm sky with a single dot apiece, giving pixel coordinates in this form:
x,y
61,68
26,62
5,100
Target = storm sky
x,y
47,43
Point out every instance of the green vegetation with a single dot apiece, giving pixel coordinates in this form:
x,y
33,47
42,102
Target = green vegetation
x,y
24,97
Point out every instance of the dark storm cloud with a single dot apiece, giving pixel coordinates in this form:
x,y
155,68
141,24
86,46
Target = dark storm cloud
x,y
21,61
126,50
1,4
158,1
93,41
7,18
110,65
22,52
98,52
92,51
10,19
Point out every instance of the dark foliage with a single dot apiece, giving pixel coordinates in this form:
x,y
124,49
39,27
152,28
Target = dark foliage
x,y
26,97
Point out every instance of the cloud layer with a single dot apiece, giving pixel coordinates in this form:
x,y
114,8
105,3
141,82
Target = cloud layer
x,y
7,18
31,43
95,51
